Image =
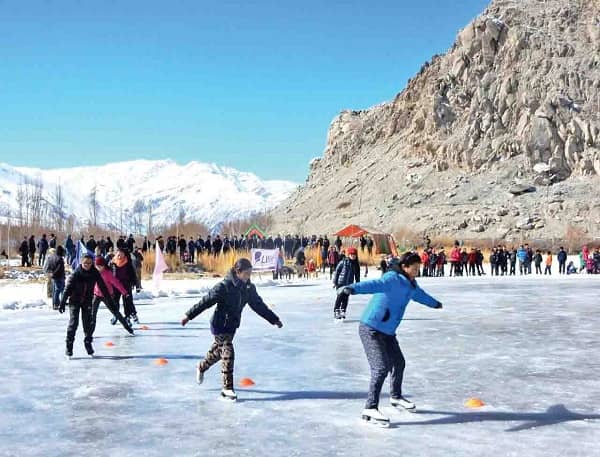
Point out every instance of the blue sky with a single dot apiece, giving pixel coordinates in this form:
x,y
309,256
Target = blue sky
x,y
248,84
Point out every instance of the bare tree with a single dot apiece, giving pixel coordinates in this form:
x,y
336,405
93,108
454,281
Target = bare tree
x,y
21,203
149,228
59,206
94,206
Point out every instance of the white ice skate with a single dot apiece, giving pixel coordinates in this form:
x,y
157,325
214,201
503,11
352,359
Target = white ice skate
x,y
199,375
402,402
228,394
374,416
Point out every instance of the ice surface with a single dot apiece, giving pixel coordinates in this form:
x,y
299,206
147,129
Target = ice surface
x,y
528,347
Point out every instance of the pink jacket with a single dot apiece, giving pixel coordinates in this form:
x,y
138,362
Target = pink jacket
x,y
110,281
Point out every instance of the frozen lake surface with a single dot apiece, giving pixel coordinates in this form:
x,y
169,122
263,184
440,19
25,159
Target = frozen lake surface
x,y
528,347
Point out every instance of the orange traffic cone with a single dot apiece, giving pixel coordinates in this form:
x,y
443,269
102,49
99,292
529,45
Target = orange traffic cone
x,y
474,403
161,361
246,382
109,344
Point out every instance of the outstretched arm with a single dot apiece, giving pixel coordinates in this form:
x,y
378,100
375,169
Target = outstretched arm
x,y
259,307
216,294
424,298
372,286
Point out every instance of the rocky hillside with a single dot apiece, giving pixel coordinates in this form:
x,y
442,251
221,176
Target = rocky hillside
x,y
498,138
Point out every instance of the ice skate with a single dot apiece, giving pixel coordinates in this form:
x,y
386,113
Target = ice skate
x,y
199,375
69,353
401,402
89,349
342,315
228,394
374,416
113,321
135,319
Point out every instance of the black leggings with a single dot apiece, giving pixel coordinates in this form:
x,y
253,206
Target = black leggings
x,y
86,320
341,303
128,306
384,356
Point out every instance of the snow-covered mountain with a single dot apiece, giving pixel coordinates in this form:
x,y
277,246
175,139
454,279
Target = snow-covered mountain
x,y
125,192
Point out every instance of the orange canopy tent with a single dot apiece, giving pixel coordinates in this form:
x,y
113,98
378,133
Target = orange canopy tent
x,y
383,242
351,231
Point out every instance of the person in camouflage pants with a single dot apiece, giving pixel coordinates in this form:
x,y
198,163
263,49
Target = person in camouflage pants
x,y
231,296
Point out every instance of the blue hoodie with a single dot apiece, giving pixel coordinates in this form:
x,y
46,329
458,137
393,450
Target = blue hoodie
x,y
392,292
522,255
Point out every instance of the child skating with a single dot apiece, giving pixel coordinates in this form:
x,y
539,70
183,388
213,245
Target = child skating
x,y
347,272
111,283
230,296
79,293
378,325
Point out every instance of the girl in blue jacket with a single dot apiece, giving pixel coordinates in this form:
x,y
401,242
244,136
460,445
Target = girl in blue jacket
x,y
378,325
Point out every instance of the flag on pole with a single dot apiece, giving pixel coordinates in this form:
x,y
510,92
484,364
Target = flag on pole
x,y
160,266
80,251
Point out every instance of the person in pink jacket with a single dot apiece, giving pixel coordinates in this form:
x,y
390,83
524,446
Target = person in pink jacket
x,y
112,283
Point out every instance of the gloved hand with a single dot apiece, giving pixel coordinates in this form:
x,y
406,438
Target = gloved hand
x,y
438,305
61,307
279,324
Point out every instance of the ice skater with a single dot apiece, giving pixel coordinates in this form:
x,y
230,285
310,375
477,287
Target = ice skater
x,y
378,325
230,296
79,293
347,272
111,283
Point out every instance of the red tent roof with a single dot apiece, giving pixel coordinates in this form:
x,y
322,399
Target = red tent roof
x,y
352,230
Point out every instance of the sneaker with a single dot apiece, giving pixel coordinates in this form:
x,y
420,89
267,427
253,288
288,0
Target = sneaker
x,y
89,348
403,403
135,319
113,321
229,394
199,375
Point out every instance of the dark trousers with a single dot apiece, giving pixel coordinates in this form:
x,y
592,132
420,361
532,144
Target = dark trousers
x,y
472,269
86,320
561,268
512,268
331,271
384,356
538,268
115,312
548,270
221,349
128,306
341,303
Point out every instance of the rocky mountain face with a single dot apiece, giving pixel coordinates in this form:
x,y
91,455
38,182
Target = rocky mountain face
x,y
498,138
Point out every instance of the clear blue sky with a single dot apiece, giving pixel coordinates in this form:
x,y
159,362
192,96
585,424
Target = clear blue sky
x,y
248,84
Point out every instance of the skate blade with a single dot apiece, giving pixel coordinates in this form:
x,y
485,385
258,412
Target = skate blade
x,y
228,399
402,408
379,423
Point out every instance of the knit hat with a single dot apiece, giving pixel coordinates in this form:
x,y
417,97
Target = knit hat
x,y
351,251
99,261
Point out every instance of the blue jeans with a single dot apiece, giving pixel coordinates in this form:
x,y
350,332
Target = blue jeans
x,y
58,285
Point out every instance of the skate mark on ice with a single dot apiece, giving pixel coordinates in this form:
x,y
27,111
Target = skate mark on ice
x,y
148,356
274,395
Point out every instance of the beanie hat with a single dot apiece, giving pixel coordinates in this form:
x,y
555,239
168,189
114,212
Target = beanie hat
x,y
351,251
99,261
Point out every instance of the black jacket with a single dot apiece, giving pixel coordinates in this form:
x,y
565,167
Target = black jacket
x,y
230,296
55,266
347,272
80,287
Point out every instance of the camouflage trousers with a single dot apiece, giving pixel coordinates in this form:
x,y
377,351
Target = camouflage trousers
x,y
221,349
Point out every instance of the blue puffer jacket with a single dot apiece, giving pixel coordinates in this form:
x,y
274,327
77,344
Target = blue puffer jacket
x,y
522,255
392,292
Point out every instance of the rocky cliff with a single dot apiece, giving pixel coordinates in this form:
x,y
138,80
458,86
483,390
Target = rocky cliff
x,y
498,138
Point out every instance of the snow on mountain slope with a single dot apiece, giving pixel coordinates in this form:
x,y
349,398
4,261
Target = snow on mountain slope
x,y
197,191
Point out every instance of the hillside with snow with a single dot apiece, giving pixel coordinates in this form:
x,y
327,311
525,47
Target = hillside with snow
x,y
127,195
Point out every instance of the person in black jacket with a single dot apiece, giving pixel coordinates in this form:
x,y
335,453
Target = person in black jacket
x,y
55,269
24,251
346,273
230,296
80,293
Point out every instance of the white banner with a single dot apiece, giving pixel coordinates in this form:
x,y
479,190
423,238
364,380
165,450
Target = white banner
x,y
264,259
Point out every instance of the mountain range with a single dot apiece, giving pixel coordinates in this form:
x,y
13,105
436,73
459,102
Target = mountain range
x,y
126,195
